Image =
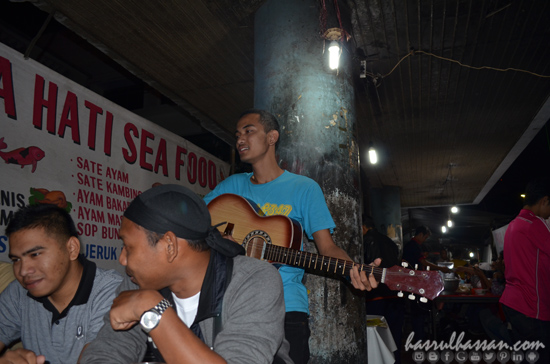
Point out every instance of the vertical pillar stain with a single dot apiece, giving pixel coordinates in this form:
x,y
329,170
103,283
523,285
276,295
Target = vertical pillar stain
x,y
316,109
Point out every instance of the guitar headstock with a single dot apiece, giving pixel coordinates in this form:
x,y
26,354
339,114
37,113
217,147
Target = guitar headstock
x,y
428,284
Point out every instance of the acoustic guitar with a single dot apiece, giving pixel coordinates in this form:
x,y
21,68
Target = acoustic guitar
x,y
278,239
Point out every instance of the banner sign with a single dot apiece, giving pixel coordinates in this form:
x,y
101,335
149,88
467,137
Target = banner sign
x,y
61,143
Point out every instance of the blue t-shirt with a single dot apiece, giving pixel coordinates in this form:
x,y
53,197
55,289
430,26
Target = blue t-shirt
x,y
297,197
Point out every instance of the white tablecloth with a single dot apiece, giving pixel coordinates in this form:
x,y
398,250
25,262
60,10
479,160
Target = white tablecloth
x,y
380,343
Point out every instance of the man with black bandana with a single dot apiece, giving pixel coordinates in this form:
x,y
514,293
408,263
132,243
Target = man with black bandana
x,y
189,292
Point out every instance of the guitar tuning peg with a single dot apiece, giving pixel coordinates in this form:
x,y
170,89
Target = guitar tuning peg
x,y
399,294
423,299
404,264
411,297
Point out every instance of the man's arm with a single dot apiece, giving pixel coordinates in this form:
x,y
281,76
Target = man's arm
x,y
176,342
478,272
112,346
327,247
22,356
10,315
432,266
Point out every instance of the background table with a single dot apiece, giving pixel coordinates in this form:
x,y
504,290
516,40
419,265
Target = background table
x,y
380,344
440,301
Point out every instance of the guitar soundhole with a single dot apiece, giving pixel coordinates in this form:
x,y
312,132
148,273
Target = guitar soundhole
x,y
255,242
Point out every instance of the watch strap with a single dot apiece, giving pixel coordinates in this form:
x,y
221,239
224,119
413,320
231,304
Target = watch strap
x,y
162,306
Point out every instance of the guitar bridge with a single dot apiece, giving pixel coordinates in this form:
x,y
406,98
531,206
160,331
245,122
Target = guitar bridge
x,y
229,229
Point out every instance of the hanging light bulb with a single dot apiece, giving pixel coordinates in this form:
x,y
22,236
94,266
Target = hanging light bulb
x,y
333,55
443,229
450,223
454,209
373,157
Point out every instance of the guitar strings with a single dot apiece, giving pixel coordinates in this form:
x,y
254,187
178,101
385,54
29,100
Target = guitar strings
x,y
280,252
283,252
284,255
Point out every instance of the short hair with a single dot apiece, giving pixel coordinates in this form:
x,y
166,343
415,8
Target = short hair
x,y
54,220
537,189
267,119
153,238
368,221
422,229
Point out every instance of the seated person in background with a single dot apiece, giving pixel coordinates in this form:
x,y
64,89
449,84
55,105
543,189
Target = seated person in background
x,y
58,303
383,301
477,277
6,275
498,283
189,292
415,254
444,256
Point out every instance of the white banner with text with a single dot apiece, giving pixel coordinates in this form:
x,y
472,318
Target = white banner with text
x,y
61,143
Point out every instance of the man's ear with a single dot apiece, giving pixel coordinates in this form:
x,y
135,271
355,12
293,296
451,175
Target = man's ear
x,y
273,137
171,246
73,247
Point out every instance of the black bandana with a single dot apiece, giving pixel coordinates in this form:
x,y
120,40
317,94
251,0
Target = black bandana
x,y
176,208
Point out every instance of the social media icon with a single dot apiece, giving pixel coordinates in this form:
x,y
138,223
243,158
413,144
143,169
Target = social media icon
x,y
489,356
517,356
418,356
461,356
503,356
433,356
447,356
475,357
532,356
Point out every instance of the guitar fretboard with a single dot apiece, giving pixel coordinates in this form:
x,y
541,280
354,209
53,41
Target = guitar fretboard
x,y
317,262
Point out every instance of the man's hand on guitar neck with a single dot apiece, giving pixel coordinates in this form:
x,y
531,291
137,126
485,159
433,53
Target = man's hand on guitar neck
x,y
327,247
360,280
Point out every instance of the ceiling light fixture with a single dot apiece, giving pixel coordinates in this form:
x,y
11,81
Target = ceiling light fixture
x,y
454,209
450,223
333,55
443,229
373,156
334,35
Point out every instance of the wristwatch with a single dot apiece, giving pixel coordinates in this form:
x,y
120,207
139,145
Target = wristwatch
x,y
151,318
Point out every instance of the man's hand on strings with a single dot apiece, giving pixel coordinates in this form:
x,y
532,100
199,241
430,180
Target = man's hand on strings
x,y
364,280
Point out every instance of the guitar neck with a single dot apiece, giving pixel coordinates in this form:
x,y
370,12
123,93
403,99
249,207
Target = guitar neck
x,y
317,262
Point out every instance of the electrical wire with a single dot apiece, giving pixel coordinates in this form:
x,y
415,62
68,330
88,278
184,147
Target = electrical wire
x,y
413,52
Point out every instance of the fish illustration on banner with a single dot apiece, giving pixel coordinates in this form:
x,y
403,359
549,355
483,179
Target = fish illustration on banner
x,y
22,156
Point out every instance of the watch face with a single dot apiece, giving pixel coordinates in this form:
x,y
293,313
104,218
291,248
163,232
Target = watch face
x,y
150,320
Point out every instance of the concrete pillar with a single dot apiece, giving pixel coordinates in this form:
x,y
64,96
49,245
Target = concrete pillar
x,y
385,207
316,109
